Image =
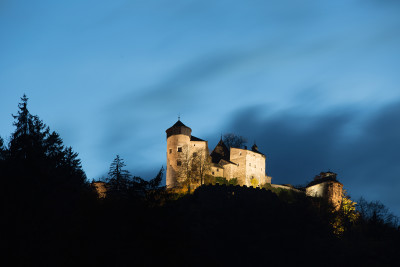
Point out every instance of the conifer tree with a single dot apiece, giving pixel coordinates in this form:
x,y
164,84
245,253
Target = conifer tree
x,y
2,150
156,181
118,178
38,157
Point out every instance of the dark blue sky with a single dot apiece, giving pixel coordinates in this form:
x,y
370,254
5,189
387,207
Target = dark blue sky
x,y
315,83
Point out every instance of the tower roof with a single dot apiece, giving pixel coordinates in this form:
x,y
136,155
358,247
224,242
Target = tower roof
x,y
179,124
324,177
221,151
254,148
178,128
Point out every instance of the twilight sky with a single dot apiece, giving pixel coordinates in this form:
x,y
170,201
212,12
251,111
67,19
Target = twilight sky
x,y
314,83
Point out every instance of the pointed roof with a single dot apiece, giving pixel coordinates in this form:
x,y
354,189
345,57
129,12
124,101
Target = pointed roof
x,y
179,124
221,151
254,148
178,128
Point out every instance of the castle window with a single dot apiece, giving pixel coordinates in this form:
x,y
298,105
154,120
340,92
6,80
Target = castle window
x,y
212,173
178,163
170,150
217,170
240,153
179,149
194,154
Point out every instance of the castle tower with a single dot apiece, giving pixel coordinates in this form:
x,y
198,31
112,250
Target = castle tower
x,y
326,185
178,145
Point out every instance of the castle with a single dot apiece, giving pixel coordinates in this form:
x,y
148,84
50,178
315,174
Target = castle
x,y
189,162
187,155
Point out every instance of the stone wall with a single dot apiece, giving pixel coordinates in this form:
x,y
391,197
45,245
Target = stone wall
x,y
238,156
331,190
251,165
177,149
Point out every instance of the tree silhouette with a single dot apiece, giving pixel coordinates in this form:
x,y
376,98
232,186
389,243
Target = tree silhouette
x,y
155,183
37,159
233,140
201,165
2,149
118,178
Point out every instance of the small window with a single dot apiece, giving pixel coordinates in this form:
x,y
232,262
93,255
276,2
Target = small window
x,y
178,163
179,149
194,144
194,154
217,170
240,153
170,150
212,173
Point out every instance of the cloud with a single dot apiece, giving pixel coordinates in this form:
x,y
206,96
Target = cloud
x,y
363,153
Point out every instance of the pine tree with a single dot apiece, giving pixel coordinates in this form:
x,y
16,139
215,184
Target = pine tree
x,y
2,150
156,181
118,178
37,157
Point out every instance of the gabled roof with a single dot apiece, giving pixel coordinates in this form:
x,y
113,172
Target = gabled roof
x,y
221,151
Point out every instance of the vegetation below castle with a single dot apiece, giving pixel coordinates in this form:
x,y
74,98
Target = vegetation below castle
x,y
52,216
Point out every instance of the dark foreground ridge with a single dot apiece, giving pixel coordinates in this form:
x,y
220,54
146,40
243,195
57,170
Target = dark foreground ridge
x,y
216,225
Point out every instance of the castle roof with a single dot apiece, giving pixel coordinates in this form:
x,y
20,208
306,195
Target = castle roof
x,y
223,162
178,124
220,151
178,128
324,177
194,138
254,148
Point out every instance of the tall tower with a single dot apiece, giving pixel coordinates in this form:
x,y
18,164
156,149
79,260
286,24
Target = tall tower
x,y
178,145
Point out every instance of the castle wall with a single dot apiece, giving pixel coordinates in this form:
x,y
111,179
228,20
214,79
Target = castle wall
x,y
229,171
265,180
200,147
177,149
217,171
331,190
238,156
251,165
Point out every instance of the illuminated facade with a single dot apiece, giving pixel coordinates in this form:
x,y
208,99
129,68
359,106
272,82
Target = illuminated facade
x,y
247,166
